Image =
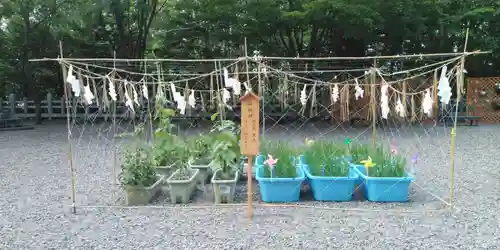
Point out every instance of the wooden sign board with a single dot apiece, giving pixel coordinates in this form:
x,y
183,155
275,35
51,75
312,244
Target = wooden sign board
x,y
250,124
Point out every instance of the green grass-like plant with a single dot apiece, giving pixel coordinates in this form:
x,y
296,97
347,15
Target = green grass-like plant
x,y
387,164
286,167
358,152
325,158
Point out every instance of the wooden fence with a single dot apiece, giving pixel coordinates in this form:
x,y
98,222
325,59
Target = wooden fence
x,y
53,108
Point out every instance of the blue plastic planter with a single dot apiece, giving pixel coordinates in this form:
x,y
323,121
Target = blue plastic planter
x,y
280,189
328,188
385,189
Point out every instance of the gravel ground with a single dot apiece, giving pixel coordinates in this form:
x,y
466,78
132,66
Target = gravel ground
x,y
35,182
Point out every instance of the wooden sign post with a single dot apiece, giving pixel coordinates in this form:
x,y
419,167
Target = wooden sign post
x,y
250,136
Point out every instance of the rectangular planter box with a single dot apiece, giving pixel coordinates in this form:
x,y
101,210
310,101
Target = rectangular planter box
x,y
224,189
360,183
204,172
280,189
385,189
182,190
142,195
167,172
329,188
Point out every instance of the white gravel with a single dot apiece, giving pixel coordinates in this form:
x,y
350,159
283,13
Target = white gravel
x,y
35,193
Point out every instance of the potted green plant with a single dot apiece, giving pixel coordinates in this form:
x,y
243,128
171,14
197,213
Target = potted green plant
x,y
280,176
225,159
167,155
328,172
183,180
138,176
201,151
164,147
385,177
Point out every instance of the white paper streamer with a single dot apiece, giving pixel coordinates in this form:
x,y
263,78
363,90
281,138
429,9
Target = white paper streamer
x,y
181,103
303,96
111,89
226,96
400,108
75,83
176,95
87,94
145,91
427,103
192,99
232,83
134,93
128,101
335,93
444,89
359,91
384,100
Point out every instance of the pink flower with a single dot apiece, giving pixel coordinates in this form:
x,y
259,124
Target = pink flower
x,y
393,149
270,161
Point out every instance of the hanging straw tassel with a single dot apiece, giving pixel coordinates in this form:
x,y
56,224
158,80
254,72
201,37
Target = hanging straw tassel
x,y
235,76
373,102
285,91
186,95
413,113
343,103
313,101
348,98
211,92
434,94
404,98
421,114
295,93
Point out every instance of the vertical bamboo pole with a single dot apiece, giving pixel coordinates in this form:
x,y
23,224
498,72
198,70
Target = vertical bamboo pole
x,y
250,162
373,78
454,129
114,122
68,121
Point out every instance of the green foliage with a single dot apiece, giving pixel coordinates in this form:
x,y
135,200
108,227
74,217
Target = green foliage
x,y
200,147
286,156
138,167
387,164
210,29
325,158
225,150
225,154
168,149
358,152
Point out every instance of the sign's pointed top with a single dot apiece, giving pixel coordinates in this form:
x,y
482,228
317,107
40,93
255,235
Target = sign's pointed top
x,y
251,95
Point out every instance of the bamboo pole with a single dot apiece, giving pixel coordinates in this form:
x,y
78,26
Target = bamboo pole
x,y
68,122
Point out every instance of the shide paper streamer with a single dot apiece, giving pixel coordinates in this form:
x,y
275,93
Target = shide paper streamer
x,y
384,100
444,89
75,83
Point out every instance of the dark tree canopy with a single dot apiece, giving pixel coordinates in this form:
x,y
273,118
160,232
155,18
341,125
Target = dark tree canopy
x,y
217,28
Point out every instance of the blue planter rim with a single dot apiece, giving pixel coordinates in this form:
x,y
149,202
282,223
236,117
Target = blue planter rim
x,y
300,177
307,171
305,167
408,176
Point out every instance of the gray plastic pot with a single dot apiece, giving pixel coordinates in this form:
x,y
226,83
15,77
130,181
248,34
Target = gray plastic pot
x,y
167,172
224,189
182,190
203,175
136,195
